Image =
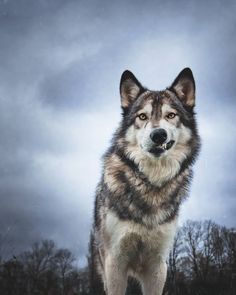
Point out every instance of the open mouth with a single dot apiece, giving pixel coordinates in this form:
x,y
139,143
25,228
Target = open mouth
x,y
158,150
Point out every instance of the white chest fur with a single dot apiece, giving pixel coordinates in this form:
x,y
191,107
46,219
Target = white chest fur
x,y
158,240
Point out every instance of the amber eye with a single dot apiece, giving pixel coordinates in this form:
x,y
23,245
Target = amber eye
x,y
142,117
170,115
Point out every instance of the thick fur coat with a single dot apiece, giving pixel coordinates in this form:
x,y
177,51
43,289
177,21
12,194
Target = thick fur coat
x,y
146,176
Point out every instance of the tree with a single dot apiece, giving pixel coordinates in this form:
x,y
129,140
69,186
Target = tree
x,y
38,264
63,261
12,278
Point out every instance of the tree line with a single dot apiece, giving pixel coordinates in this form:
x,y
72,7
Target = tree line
x,y
202,262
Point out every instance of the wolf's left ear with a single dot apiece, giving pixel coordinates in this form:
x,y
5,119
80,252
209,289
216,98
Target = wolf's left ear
x,y
184,87
130,89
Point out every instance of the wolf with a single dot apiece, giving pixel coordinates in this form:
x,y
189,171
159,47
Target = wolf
x,y
146,176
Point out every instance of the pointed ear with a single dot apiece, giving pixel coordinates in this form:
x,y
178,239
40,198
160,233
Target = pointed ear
x,y
184,87
130,89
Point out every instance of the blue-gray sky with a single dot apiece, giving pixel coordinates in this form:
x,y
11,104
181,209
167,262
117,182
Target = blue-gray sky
x,y
60,67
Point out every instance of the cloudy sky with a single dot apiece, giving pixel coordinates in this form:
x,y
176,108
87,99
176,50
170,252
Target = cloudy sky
x,y
60,65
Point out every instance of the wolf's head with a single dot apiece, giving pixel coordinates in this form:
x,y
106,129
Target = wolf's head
x,y
159,126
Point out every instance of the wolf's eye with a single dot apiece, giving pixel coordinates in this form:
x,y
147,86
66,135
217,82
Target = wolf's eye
x,y
170,115
142,117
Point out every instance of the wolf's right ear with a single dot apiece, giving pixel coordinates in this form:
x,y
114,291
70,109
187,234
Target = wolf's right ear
x,y
130,89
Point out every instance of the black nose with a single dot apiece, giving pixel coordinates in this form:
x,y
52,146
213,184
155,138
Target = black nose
x,y
158,136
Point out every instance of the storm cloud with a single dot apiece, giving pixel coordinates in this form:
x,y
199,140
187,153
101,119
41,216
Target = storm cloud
x,y
61,63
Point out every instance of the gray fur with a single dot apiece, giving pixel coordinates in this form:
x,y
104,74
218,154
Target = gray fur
x,y
138,197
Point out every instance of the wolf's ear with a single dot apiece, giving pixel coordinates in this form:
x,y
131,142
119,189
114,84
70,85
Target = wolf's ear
x,y
130,88
184,87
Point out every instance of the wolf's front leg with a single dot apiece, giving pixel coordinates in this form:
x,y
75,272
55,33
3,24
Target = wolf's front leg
x,y
154,280
116,276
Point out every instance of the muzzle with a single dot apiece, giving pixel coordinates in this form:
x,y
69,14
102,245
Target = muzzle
x,y
160,144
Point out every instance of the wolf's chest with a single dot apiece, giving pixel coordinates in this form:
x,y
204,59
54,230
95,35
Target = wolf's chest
x,y
132,241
